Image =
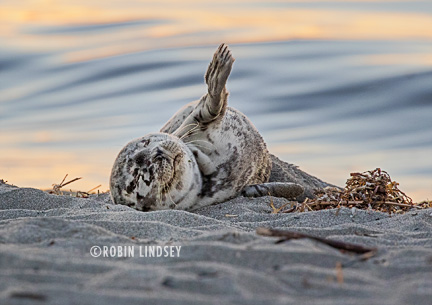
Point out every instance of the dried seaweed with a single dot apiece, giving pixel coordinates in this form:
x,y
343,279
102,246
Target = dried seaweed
x,y
370,190
374,186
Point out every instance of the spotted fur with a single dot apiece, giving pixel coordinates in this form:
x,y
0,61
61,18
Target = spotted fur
x,y
205,154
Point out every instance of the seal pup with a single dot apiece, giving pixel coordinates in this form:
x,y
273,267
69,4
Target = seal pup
x,y
206,153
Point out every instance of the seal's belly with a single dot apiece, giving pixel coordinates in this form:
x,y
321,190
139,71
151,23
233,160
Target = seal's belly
x,y
239,154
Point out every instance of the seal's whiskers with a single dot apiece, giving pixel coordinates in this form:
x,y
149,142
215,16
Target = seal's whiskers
x,y
177,132
159,194
194,141
191,146
190,132
169,196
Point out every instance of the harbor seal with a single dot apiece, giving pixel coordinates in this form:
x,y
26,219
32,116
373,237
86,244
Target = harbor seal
x,y
206,153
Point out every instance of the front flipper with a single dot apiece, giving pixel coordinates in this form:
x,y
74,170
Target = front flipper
x,y
217,75
205,164
277,189
213,104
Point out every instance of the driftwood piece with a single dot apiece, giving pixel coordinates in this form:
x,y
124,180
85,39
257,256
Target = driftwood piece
x,y
287,235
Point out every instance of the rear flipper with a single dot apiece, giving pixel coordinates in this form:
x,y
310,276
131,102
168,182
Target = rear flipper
x,y
277,189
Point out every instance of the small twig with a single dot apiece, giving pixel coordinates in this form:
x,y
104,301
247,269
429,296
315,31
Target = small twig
x,y
88,192
289,210
274,210
383,202
330,242
339,273
56,187
399,204
324,203
81,194
73,180
61,183
280,210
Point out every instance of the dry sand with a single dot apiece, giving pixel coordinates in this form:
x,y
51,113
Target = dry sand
x,y
45,243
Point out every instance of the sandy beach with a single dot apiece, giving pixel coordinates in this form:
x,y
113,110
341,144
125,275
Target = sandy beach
x,y
46,258
339,88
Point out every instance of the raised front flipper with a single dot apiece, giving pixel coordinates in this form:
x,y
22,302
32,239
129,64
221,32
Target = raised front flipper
x,y
277,189
213,104
217,75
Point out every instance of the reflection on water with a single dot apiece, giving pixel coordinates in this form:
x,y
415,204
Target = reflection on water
x,y
347,88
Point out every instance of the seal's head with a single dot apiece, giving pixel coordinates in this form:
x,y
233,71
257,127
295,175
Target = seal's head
x,y
155,172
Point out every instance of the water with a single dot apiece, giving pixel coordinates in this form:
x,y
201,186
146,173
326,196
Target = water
x,y
334,87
